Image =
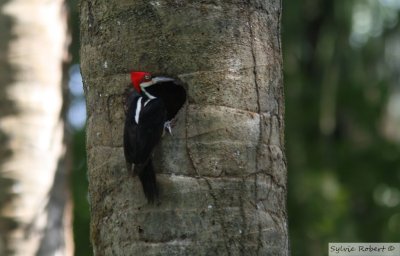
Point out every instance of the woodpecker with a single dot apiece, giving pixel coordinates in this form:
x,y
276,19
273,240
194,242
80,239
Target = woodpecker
x,y
150,111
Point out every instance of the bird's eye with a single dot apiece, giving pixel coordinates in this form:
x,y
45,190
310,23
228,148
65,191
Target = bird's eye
x,y
147,77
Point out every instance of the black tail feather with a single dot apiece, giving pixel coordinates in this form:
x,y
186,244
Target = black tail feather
x,y
147,177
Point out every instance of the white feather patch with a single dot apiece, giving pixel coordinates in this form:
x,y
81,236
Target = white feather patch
x,y
147,101
148,94
138,108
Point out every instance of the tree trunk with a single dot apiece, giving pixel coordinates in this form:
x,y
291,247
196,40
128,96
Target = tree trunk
x,y
33,192
223,173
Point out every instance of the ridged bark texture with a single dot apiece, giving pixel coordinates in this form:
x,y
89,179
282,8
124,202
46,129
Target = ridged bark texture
x,y
223,173
33,192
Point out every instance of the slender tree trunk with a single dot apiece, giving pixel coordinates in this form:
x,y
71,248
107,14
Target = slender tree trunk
x,y
223,172
33,192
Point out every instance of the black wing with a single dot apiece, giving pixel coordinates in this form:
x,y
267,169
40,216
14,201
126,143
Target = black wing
x,y
141,138
173,95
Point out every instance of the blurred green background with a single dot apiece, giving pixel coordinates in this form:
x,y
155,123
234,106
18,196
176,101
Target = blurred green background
x,y
341,69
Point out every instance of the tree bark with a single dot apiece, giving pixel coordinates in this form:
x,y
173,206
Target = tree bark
x,y
223,172
34,212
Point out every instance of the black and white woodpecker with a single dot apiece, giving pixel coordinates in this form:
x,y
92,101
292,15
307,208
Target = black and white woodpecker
x,y
150,111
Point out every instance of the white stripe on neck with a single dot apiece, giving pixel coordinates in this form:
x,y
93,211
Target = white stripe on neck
x,y
147,101
138,108
148,94
153,81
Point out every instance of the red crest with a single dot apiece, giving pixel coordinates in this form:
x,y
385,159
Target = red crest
x,y
138,77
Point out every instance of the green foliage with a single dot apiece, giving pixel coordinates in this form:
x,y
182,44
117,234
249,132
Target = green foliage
x,y
80,196
343,172
79,180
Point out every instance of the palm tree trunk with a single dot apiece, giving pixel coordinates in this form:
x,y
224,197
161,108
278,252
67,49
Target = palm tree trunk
x,y
33,192
223,173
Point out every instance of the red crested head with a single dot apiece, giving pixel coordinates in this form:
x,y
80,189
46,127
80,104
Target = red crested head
x,y
139,77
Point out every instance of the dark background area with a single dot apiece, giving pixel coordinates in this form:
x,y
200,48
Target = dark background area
x,y
341,62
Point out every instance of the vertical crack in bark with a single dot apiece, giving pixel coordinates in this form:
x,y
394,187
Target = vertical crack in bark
x,y
253,53
218,208
254,61
281,109
281,88
279,27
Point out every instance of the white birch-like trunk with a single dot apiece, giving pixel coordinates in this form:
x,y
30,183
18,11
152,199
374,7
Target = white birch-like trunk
x,y
33,201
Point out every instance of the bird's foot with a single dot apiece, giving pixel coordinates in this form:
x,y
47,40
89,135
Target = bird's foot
x,y
167,127
131,170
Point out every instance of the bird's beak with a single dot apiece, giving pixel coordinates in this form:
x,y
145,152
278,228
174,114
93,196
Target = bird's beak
x,y
160,79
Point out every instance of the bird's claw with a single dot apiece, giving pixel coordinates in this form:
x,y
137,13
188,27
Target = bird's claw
x,y
167,127
130,170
